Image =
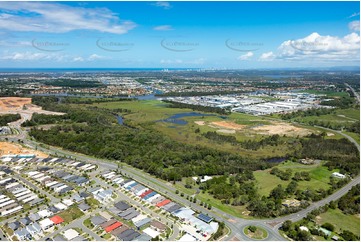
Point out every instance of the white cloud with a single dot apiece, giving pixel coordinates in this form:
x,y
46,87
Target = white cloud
x,y
78,59
246,56
163,28
316,47
162,4
354,26
95,57
199,61
39,56
268,56
177,61
354,15
59,18
30,56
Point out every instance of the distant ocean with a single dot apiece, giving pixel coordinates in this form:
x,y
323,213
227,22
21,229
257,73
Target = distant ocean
x,y
90,69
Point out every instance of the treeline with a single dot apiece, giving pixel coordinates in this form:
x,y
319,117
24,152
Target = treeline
x,y
73,83
272,140
8,118
194,94
74,100
39,119
198,107
350,203
340,153
342,102
306,113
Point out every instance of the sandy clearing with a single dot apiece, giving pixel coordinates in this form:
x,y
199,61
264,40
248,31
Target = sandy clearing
x,y
281,129
227,131
200,122
15,149
13,103
330,134
228,125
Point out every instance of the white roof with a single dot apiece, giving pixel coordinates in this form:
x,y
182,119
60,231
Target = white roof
x,y
60,206
151,232
187,237
70,234
138,218
45,213
45,223
68,202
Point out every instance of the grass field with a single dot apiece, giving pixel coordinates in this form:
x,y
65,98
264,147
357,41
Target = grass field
x,y
71,214
320,177
340,220
150,111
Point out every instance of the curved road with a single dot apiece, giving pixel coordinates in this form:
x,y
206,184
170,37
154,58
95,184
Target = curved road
x,y
235,224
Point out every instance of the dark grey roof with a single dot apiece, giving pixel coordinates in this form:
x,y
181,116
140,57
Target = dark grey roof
x,y
143,237
79,238
80,180
174,208
14,225
132,215
34,217
36,201
53,209
122,206
132,236
96,220
84,194
25,221
84,207
126,233
59,238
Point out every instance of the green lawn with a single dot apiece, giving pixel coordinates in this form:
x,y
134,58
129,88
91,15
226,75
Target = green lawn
x,y
350,113
233,210
259,234
320,177
340,220
71,214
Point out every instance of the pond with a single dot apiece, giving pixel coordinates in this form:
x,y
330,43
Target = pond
x,y
176,118
120,119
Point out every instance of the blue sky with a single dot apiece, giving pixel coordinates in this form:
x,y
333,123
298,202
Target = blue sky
x,y
239,35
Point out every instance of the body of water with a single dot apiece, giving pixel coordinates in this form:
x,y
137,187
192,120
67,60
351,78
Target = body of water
x,y
120,120
177,118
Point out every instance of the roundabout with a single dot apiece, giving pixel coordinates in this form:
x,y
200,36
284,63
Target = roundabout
x,y
255,232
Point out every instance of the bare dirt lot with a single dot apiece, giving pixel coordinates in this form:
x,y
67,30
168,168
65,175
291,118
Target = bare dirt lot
x,y
281,129
13,103
22,106
15,149
228,125
200,122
